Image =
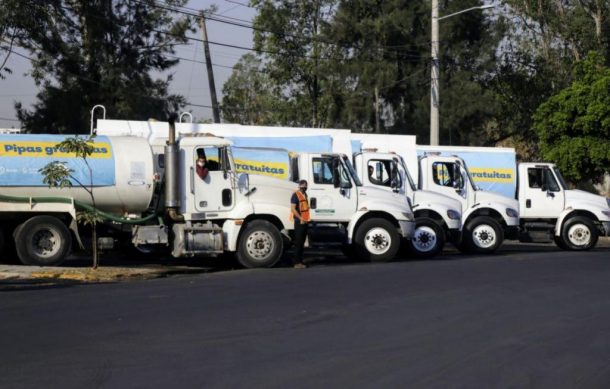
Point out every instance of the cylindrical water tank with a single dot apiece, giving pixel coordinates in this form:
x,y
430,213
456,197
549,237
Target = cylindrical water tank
x,y
122,167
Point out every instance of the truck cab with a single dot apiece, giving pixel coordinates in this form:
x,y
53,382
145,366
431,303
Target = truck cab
x,y
574,219
487,217
374,219
438,217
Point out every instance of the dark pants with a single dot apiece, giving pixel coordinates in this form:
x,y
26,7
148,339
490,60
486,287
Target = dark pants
x,y
300,234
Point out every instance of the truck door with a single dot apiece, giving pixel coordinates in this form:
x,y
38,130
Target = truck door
x,y
540,196
213,191
332,195
447,179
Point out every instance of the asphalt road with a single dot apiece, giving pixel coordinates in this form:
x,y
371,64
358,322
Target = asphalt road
x,y
516,319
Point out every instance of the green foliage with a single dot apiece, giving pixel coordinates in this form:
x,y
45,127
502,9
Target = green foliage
x,y
248,96
56,175
364,65
90,218
574,125
99,52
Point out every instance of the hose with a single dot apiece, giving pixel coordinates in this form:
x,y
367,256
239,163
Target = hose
x,y
78,204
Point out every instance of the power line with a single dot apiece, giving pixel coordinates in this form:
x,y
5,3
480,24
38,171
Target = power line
x,y
99,83
246,24
9,119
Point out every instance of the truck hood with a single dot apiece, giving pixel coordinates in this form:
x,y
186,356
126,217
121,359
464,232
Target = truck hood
x,y
576,197
376,198
484,197
428,197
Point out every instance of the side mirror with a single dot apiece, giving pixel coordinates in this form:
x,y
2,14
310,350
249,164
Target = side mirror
x,y
345,185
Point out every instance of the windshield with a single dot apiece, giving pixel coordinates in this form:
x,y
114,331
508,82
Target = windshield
x,y
351,170
474,187
562,182
404,167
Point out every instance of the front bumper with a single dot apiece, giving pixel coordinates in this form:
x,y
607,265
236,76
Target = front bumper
x,y
407,228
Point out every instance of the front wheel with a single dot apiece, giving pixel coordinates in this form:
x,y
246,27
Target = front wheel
x,y
579,233
482,235
260,245
376,240
428,239
42,241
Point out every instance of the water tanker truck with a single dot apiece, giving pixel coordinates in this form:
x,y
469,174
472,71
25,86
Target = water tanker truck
x,y
183,213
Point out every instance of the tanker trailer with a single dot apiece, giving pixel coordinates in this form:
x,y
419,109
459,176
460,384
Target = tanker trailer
x,y
40,219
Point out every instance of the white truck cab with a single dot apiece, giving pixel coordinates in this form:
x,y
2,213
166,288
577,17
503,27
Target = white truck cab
x,y
487,217
374,219
574,219
438,217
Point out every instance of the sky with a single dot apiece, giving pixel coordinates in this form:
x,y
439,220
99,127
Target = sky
x,y
190,78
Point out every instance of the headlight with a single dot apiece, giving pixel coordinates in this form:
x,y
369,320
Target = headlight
x,y
512,212
608,202
408,215
607,213
455,215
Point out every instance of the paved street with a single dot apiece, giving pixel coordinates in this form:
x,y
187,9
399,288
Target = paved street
x,y
516,319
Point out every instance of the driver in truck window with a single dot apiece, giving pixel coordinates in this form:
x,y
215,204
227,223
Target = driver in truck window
x,y
201,165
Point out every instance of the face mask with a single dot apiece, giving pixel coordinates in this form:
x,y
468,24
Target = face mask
x,y
303,189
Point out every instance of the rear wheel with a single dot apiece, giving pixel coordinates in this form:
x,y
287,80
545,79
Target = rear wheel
x,y
482,235
376,240
428,239
579,233
42,241
260,245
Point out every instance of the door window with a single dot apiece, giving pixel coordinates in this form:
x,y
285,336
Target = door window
x,y
447,174
322,171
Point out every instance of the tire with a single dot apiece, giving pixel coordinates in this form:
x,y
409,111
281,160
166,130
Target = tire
x,y
376,240
259,245
42,241
482,235
428,239
579,234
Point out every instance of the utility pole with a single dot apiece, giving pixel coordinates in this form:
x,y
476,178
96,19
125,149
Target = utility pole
x,y
208,65
436,68
434,78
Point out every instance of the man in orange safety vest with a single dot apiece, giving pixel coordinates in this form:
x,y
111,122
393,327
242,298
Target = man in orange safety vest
x,y
299,211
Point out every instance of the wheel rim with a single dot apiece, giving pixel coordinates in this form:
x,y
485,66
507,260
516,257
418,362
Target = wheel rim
x,y
484,236
579,235
259,245
377,241
46,242
424,239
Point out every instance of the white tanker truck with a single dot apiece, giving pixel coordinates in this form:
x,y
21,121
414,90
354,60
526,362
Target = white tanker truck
x,y
223,212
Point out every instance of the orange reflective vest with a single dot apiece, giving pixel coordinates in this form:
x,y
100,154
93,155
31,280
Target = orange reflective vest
x,y
303,207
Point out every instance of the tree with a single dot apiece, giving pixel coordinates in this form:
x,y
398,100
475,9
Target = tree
x,y
100,52
57,175
16,18
290,34
249,96
574,125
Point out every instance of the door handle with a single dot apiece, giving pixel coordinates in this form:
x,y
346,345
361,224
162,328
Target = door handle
x,y
313,203
528,203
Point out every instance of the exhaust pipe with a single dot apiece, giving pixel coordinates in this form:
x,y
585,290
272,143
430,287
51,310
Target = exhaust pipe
x,y
172,182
